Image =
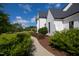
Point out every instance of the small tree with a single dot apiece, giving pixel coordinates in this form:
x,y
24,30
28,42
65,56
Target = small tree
x,y
43,30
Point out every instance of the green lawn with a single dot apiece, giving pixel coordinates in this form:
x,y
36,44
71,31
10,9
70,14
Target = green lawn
x,y
5,38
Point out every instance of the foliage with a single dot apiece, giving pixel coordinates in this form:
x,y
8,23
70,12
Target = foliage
x,y
67,40
4,21
5,26
43,30
30,28
17,27
15,44
1,7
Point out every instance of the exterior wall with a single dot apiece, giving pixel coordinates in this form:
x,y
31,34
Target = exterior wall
x,y
74,18
66,24
56,24
50,19
76,24
38,25
59,25
41,23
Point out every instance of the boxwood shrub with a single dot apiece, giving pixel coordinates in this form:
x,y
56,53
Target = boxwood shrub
x,y
67,40
43,30
15,44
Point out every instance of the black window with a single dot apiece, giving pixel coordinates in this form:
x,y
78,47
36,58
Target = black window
x,y
45,25
71,24
49,26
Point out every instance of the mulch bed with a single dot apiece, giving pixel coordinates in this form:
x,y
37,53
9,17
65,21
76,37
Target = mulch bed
x,y
45,43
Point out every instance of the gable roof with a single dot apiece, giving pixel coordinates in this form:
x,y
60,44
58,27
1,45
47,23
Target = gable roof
x,y
42,14
60,14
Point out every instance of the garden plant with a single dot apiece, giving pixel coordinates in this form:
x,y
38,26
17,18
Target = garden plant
x,y
67,40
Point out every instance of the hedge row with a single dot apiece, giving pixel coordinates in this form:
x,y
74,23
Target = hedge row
x,y
15,44
67,40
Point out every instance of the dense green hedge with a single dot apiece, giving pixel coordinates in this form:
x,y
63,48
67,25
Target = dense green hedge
x,y
67,40
15,44
43,30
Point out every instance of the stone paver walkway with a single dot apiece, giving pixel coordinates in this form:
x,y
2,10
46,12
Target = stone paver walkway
x,y
39,50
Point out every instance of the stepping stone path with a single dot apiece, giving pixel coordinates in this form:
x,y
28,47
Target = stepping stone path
x,y
39,49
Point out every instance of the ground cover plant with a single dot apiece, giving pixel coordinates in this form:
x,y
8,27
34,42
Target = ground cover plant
x,y
67,40
16,44
43,30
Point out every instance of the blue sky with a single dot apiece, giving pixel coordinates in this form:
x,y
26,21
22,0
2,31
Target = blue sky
x,y
28,11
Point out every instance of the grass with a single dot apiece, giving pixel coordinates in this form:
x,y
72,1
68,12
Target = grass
x,y
15,44
5,38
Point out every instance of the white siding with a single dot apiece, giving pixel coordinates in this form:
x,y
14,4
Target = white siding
x,y
38,25
66,24
76,24
50,19
74,18
41,23
59,25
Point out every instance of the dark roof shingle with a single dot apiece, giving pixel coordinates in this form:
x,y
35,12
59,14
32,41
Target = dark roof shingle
x,y
43,14
60,14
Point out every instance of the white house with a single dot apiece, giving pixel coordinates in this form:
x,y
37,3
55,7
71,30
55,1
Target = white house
x,y
41,19
58,20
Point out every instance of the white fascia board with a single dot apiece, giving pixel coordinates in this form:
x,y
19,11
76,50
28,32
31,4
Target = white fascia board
x,y
67,7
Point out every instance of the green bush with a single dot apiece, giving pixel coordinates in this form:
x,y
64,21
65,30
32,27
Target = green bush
x,y
67,40
43,30
15,44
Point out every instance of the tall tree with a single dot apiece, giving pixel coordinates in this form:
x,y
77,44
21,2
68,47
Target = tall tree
x,y
4,21
1,6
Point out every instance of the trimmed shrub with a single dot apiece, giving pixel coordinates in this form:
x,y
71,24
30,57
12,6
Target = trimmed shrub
x,y
23,45
43,30
18,45
67,40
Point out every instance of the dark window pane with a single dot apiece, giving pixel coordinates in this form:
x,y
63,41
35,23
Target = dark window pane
x,y
45,25
71,24
49,26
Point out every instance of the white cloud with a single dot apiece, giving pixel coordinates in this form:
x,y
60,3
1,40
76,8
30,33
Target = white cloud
x,y
49,5
24,23
33,19
38,9
26,7
25,12
20,4
58,5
